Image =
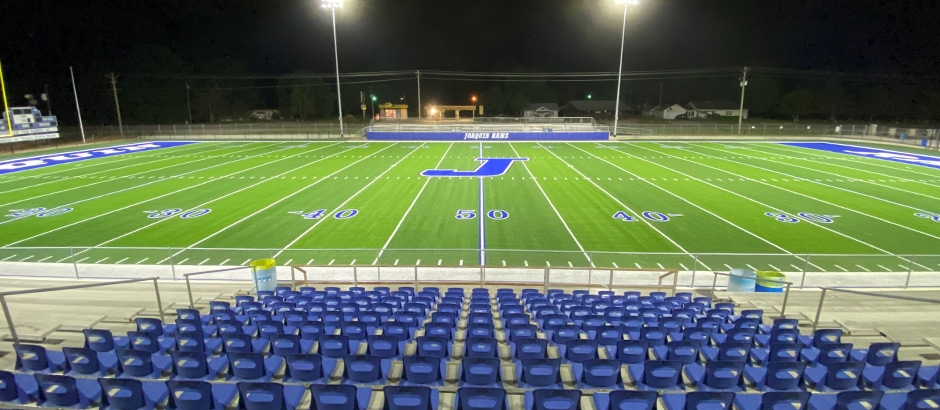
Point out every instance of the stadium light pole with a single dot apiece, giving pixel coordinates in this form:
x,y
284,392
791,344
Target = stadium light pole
x,y
623,35
333,5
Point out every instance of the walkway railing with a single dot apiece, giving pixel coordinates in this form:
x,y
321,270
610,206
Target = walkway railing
x,y
786,291
825,290
9,318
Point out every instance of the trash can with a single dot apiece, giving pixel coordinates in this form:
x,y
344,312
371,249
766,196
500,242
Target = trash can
x,y
264,274
741,280
923,142
769,281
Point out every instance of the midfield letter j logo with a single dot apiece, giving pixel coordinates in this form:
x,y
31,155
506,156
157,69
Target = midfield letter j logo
x,y
490,167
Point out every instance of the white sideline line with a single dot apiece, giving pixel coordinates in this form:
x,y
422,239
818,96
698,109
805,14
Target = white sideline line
x,y
413,202
340,206
778,209
224,262
551,204
233,193
174,177
883,267
122,260
161,196
203,262
82,259
102,260
47,257
8,257
482,221
103,181
863,268
774,267
843,269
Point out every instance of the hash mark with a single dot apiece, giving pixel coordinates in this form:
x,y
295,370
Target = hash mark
x,y
752,268
843,269
882,267
796,267
660,266
526,263
728,266
310,262
288,262
182,261
774,267
203,262
570,265
101,260
47,257
141,261
615,265
26,258
863,268
246,261
122,260
396,262
80,260
352,263
638,265
224,262
439,262
331,261
8,257
461,263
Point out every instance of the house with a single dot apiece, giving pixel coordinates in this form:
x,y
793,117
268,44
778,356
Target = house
x,y
600,109
541,110
709,108
667,111
263,115
389,111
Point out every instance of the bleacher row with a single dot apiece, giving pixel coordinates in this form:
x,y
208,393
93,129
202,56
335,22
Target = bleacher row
x,y
406,349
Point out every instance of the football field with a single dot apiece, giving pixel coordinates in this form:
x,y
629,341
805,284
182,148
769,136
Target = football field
x,y
650,205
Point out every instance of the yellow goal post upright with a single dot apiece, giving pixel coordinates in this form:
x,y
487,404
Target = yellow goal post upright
x,y
6,108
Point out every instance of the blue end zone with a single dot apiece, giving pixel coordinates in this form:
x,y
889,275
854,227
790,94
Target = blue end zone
x,y
488,136
22,164
894,156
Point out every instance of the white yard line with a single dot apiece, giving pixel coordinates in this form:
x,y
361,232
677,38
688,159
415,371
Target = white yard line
x,y
352,263
161,196
551,204
331,262
408,211
439,261
771,207
396,262
340,206
615,265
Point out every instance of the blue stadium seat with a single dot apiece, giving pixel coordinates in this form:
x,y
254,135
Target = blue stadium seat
x,y
423,371
578,350
633,351
538,373
733,351
284,344
131,394
821,337
482,372
657,375
772,400
553,399
399,330
837,377
242,343
17,389
477,398
685,351
196,342
480,330
778,352
562,334
363,369
262,396
334,346
847,400
339,397
895,375
410,398
101,340
150,343
481,347
877,354
35,358
625,399
197,366
253,366
915,400
522,331
445,330
719,375
141,364
63,391
529,348
777,376
304,368
598,373
85,362
698,400
435,346
608,335
827,354
385,346
153,326
655,335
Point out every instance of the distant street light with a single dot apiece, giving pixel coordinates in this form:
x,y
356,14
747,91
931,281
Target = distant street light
x,y
473,99
623,34
589,96
333,5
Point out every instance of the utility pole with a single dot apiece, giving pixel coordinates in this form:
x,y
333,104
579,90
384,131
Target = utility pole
x,y
741,109
117,104
660,93
48,99
189,110
77,108
418,72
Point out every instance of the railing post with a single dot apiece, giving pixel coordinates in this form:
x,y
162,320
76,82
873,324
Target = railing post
x,y
416,277
805,267
189,290
786,296
6,314
482,276
355,275
694,267
545,285
591,258
156,290
172,266
610,283
822,298
715,282
675,281
910,263
74,264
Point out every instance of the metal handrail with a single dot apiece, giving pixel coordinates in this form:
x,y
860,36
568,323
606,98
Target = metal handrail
x,y
9,318
822,298
189,288
786,293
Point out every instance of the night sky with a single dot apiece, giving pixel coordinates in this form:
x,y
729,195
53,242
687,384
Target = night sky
x,y
40,39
